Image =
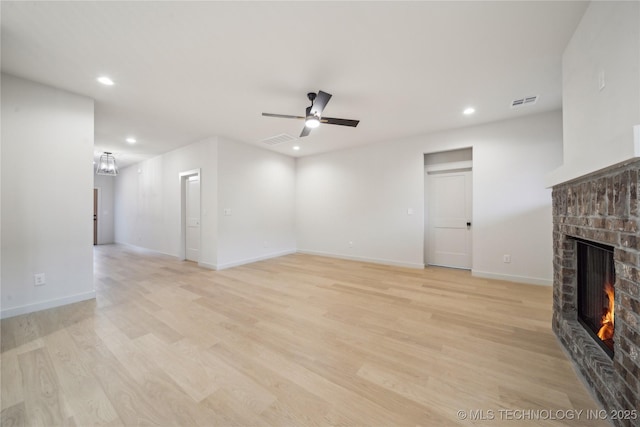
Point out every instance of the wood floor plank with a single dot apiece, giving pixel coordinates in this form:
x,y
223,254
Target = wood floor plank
x,y
43,401
85,397
162,390
188,373
253,397
224,404
293,405
127,397
8,334
11,380
13,416
192,321
23,330
299,340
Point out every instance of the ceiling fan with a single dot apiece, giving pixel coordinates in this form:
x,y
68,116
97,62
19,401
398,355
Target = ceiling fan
x,y
313,116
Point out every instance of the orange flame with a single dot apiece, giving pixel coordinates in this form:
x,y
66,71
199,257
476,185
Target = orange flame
x,y
606,331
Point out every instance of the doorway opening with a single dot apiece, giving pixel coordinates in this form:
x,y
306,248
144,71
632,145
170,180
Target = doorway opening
x,y
190,215
448,208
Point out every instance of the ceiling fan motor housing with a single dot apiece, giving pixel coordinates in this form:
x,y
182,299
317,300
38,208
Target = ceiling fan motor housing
x,y
313,114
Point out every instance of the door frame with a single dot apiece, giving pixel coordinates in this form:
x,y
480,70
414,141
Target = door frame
x,y
98,204
184,177
451,166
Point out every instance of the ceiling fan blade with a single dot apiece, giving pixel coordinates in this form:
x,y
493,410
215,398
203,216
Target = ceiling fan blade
x,y
341,122
282,116
320,102
305,131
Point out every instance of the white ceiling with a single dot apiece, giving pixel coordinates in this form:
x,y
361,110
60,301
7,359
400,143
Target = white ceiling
x,y
188,70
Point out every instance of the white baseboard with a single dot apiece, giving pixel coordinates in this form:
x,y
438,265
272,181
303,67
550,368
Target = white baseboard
x,y
143,249
363,259
43,305
215,266
510,278
255,259
207,265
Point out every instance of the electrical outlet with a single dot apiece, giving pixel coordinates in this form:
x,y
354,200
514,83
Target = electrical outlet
x,y
350,243
506,259
265,244
410,211
227,211
39,279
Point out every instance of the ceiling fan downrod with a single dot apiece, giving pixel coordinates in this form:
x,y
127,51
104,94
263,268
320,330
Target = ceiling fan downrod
x,y
312,97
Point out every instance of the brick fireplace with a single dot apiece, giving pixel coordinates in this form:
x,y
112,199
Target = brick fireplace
x,y
604,208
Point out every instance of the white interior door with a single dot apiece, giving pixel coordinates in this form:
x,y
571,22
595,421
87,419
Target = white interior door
x,y
192,223
449,198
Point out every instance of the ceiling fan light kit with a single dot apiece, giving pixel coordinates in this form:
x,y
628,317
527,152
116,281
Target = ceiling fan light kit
x,y
312,122
313,116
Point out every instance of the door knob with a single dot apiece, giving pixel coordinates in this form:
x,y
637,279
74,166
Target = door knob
x,y
468,224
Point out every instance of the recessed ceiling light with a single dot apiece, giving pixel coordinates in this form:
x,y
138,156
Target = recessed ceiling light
x,y
296,147
468,111
105,81
131,140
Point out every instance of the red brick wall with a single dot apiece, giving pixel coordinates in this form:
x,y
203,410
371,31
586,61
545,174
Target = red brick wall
x,y
602,207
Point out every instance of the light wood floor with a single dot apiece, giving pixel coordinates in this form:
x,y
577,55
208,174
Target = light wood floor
x,y
294,341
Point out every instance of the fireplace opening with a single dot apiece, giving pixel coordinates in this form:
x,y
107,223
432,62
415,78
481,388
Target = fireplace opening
x,y
596,279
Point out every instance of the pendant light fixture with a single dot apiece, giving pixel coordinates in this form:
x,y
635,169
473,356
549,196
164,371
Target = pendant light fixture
x,y
107,165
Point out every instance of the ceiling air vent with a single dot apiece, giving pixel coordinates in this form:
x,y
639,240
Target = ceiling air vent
x,y
524,101
278,139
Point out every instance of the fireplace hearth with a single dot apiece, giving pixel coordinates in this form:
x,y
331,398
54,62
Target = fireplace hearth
x,y
600,211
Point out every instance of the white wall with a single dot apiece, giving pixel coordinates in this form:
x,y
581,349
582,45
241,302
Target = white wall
x,y
511,207
258,186
147,201
598,124
104,184
362,195
47,196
